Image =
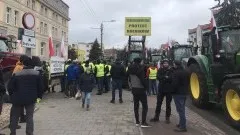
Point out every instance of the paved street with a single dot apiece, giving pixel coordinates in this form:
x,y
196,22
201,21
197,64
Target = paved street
x,y
60,116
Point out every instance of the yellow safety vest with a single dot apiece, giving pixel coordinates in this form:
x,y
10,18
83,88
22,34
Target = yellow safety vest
x,y
100,70
153,74
109,67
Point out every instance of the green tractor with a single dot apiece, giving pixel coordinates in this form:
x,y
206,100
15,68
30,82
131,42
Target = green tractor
x,y
215,74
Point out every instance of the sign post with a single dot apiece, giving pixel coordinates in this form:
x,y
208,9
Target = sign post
x,y
27,35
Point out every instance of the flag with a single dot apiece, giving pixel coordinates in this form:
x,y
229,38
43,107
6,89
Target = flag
x,y
63,50
214,24
51,49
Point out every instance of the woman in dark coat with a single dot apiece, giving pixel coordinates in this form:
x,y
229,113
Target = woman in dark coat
x,y
86,86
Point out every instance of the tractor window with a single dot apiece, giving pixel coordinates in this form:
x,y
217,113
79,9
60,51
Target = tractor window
x,y
134,55
230,41
180,53
3,46
156,58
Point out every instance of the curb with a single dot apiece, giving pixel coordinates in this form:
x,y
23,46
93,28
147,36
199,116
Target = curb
x,y
6,125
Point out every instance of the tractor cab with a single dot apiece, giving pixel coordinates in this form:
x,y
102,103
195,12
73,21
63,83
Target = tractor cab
x,y
181,53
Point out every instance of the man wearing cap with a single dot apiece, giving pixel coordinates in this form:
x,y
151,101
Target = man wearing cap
x,y
118,73
139,86
24,88
165,89
180,89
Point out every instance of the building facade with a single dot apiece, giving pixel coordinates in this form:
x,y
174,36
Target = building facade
x,y
51,18
195,36
86,47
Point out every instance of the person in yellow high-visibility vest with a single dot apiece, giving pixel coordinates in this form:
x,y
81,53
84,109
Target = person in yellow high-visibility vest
x,y
107,77
152,76
99,71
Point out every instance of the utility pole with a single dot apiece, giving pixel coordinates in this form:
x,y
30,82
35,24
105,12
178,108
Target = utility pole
x,y
101,28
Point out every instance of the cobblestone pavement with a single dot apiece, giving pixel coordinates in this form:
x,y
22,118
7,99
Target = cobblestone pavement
x,y
196,124
60,116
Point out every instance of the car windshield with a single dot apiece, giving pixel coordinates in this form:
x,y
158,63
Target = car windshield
x,y
180,53
156,58
3,46
230,41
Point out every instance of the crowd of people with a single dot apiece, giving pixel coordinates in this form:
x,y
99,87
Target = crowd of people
x,y
172,83
30,80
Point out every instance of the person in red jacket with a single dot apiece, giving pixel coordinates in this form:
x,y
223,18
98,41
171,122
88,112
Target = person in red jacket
x,y
152,76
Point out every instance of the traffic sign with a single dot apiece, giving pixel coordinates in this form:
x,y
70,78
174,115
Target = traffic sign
x,y
28,42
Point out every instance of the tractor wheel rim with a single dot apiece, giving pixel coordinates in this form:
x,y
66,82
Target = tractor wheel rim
x,y
195,87
233,104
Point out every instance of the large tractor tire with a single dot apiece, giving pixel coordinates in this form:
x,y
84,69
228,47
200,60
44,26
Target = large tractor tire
x,y
198,87
231,101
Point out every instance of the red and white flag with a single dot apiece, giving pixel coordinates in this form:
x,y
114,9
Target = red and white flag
x,y
214,24
63,50
51,49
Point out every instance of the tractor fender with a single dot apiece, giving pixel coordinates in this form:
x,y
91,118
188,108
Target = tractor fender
x,y
229,76
202,62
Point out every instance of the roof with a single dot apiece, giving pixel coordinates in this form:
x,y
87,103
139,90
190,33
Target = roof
x,y
203,27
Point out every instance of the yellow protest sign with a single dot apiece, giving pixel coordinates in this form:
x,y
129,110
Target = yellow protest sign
x,y
138,26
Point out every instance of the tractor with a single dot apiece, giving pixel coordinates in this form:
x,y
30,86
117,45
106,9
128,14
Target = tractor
x,y
180,53
215,74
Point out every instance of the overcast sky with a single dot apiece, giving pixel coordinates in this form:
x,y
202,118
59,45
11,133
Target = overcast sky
x,y
170,18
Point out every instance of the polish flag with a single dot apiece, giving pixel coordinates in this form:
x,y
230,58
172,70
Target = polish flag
x,y
51,49
63,50
214,24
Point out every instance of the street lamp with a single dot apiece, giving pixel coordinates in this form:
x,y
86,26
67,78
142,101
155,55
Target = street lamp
x,y
101,30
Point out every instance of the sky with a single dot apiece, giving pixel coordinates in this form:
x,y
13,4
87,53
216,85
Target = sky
x,y
171,19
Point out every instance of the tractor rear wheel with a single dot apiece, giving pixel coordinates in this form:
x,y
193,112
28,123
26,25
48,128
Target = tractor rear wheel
x,y
198,87
231,101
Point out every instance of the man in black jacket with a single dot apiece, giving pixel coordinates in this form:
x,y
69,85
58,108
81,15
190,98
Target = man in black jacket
x,y
180,88
117,72
138,83
165,90
24,88
2,91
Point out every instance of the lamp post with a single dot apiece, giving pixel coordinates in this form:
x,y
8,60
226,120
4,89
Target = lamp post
x,y
101,30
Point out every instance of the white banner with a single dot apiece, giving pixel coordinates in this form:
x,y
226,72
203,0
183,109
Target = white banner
x,y
56,65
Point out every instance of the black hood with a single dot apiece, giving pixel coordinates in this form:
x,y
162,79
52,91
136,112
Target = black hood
x,y
134,68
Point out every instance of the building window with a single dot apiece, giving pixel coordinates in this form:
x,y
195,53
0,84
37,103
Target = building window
x,y
56,50
56,32
29,3
56,17
8,15
46,12
45,28
53,31
33,5
41,27
42,49
53,15
15,18
42,9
